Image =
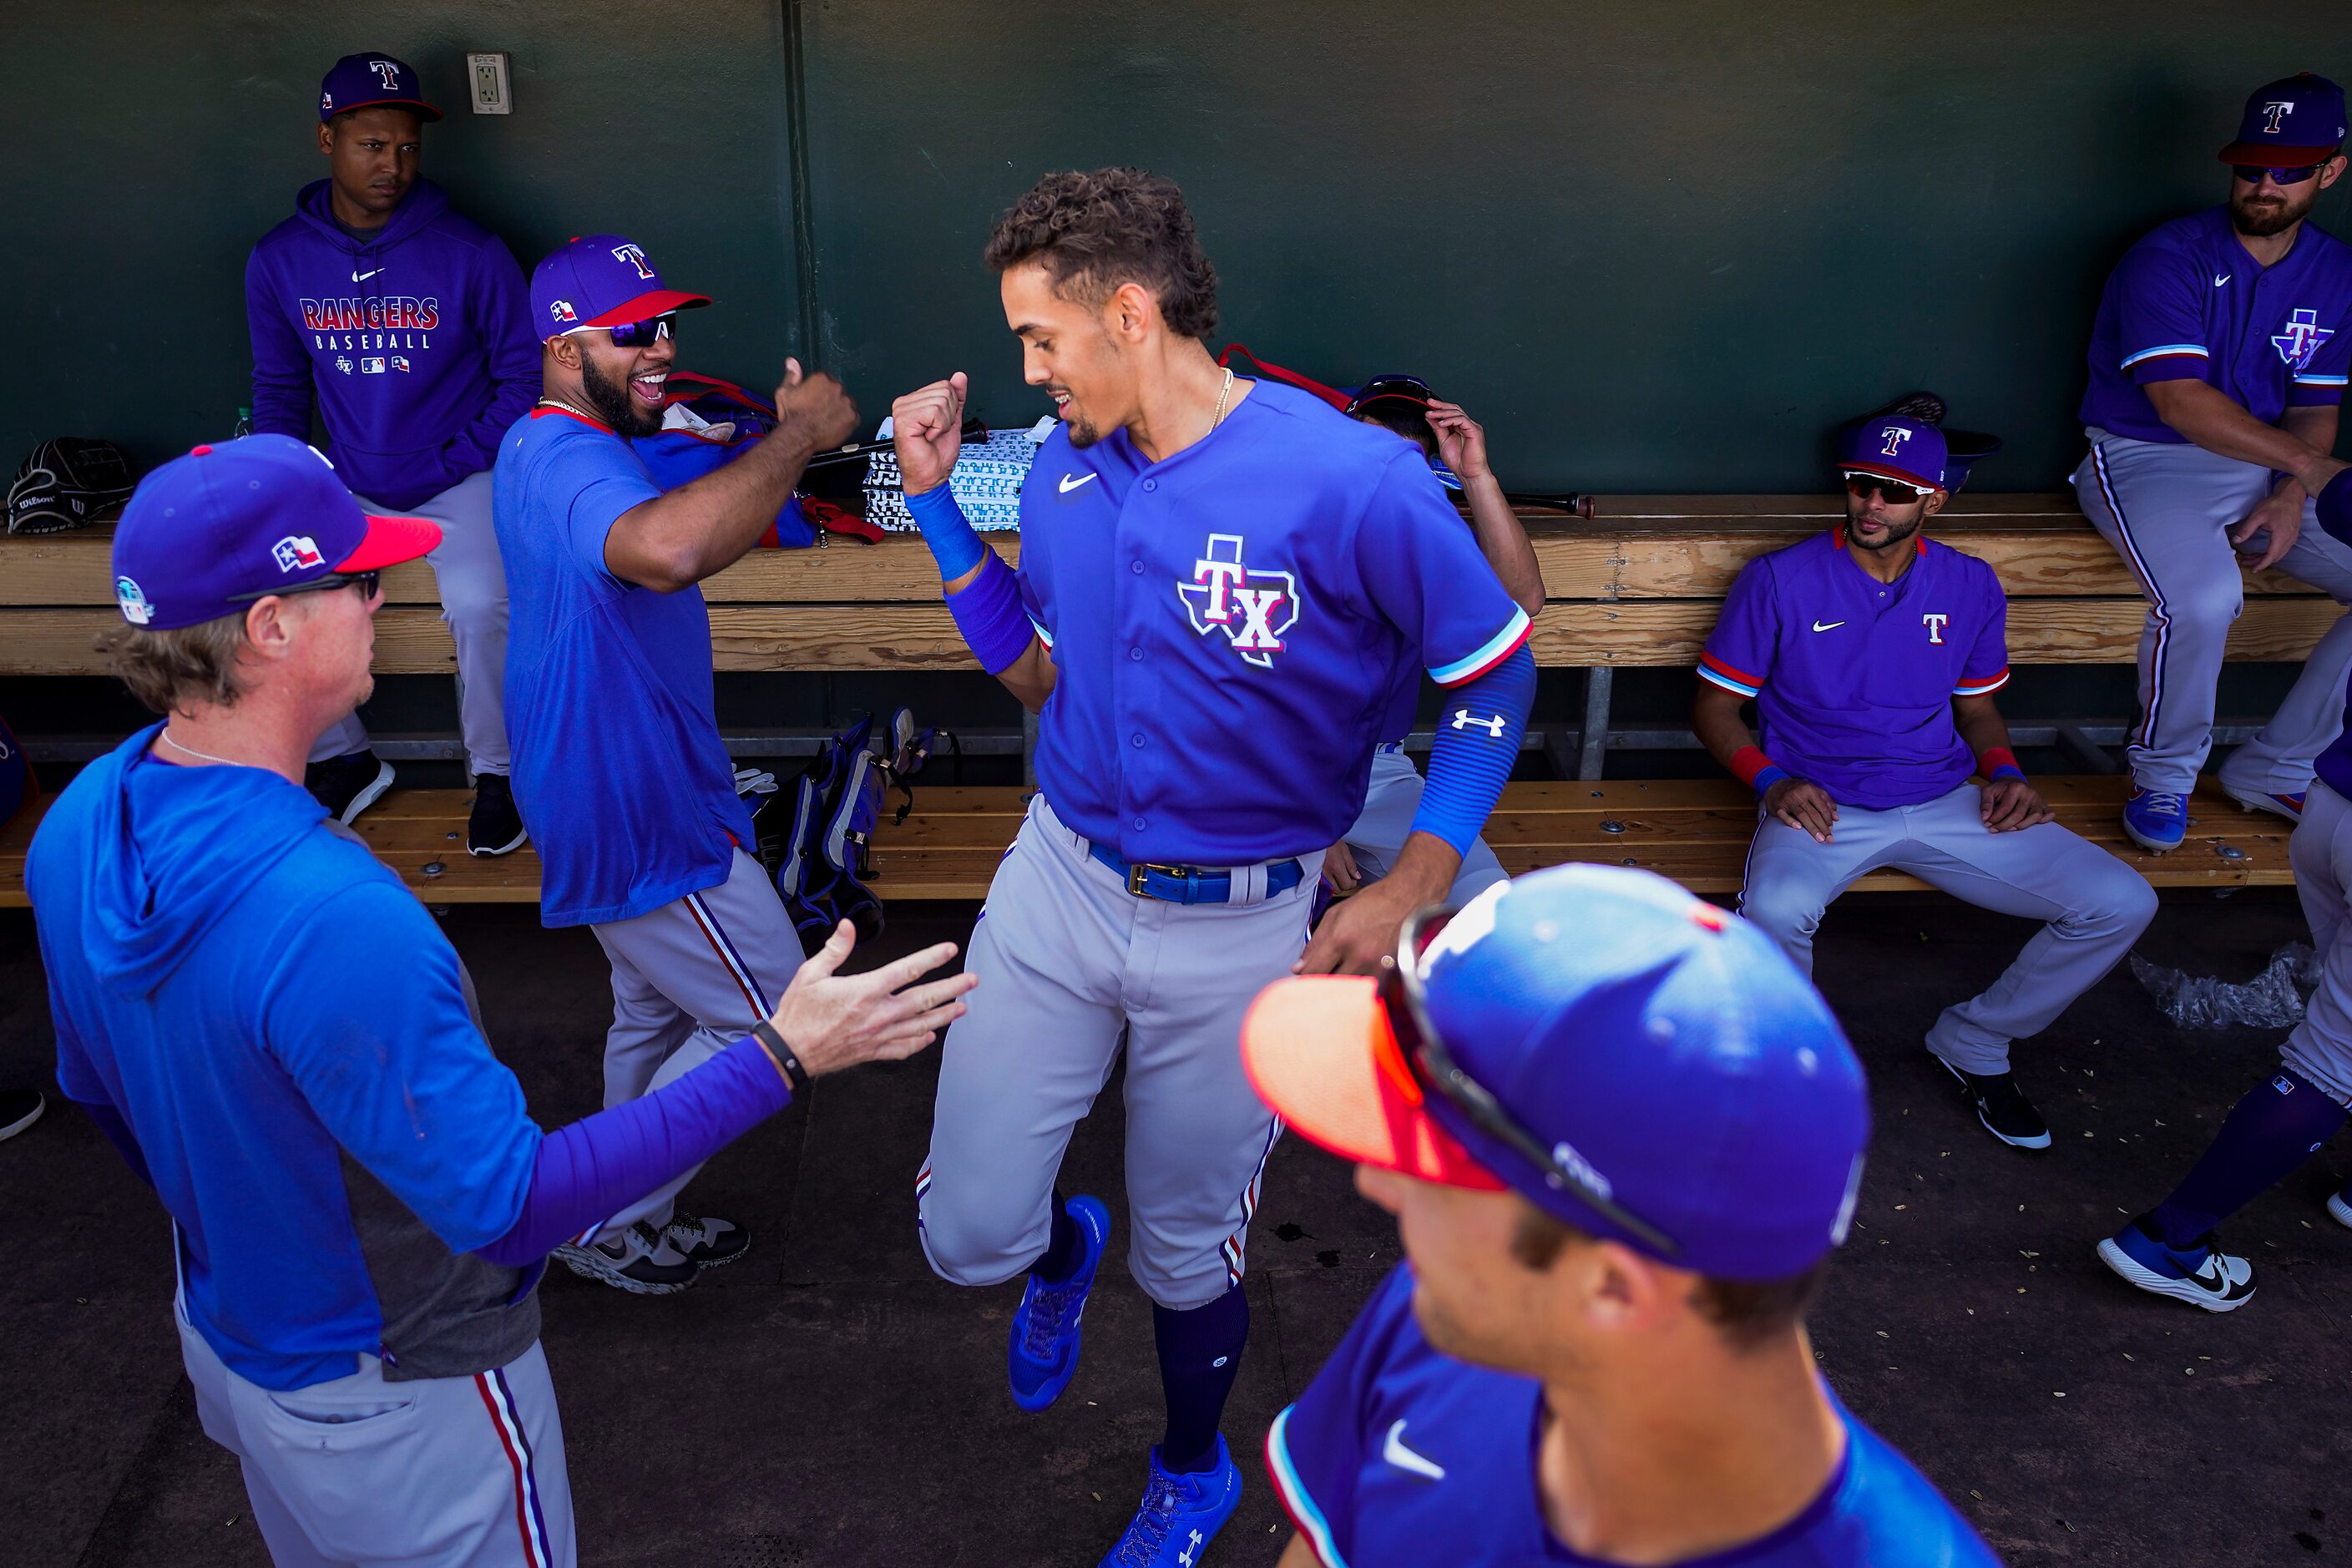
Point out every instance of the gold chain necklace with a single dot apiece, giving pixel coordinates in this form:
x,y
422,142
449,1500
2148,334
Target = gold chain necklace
x,y
571,407
1223,389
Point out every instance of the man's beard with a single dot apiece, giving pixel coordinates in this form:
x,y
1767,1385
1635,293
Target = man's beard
x,y
612,402
2261,222
1896,533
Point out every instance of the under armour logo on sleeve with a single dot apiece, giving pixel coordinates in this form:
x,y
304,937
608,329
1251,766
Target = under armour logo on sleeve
x,y
1465,720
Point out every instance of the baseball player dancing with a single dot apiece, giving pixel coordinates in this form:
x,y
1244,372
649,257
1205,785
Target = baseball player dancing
x,y
627,786
281,1042
2218,364
1404,405
1217,580
1873,655
1595,1350
407,322
2171,1250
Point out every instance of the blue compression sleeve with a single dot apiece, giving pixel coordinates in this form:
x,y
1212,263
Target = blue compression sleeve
x,y
117,1132
1478,740
590,1171
955,544
987,612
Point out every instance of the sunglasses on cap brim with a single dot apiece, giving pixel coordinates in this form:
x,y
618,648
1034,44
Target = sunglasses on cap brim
x,y
367,583
1409,389
636,334
1413,1057
2253,173
1897,492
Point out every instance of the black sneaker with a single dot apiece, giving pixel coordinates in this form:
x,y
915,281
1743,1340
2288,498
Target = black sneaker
x,y
19,1108
705,1241
641,1262
348,784
2003,1109
495,826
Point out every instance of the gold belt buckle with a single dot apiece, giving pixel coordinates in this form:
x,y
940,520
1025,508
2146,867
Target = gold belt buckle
x,y
1135,871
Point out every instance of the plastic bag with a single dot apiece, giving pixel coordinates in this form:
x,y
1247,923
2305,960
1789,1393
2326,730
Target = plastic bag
x,y
2271,1000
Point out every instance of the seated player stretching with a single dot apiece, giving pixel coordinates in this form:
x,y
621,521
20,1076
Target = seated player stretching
x,y
1404,403
1873,658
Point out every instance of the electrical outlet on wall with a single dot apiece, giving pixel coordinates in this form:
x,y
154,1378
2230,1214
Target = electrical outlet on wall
x,y
488,73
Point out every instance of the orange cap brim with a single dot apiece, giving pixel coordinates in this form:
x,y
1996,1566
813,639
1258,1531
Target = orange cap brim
x,y
1318,1050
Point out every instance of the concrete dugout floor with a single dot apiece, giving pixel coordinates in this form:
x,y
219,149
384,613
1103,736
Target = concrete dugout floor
x,y
826,1401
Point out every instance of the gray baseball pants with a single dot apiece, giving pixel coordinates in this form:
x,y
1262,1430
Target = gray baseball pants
x,y
1391,801
2167,508
1070,964
472,582
2093,904
689,979
438,1472
2320,1048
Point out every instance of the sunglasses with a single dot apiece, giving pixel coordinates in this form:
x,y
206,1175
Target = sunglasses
x,y
1390,389
1864,486
2253,176
1414,1059
367,583
637,334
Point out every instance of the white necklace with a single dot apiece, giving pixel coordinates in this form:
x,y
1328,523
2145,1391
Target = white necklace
x,y
207,756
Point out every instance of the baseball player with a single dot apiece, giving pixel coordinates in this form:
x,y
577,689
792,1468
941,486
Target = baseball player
x,y
280,1041
1405,405
2171,1250
1621,1136
1217,580
627,787
406,322
1873,655
2217,365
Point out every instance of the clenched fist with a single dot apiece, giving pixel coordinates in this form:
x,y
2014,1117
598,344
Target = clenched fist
x,y
927,429
816,405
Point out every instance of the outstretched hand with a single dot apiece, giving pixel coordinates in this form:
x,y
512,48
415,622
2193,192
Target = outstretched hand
x,y
926,429
833,1020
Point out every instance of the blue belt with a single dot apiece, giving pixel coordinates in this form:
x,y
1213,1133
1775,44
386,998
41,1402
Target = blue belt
x,y
1189,884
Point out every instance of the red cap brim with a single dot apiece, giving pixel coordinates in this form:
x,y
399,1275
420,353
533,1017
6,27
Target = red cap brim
x,y
391,540
2254,152
1313,1049
645,306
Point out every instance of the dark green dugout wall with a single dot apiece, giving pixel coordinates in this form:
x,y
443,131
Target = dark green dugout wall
x,y
1654,247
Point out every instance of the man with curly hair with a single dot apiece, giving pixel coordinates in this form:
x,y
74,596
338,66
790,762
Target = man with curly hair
x,y
1218,579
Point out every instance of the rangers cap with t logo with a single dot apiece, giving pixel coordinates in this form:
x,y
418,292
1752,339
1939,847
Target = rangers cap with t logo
x,y
2289,123
601,280
206,534
372,81
1894,446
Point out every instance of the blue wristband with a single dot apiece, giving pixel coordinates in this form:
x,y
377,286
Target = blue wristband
x,y
2008,771
988,613
1768,775
955,544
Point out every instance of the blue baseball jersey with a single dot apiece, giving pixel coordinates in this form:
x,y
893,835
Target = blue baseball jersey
x,y
619,772
2187,303
1226,626
1854,679
1399,1455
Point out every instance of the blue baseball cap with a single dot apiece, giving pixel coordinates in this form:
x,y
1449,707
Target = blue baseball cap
x,y
600,280
206,534
1895,446
2289,124
372,81
1697,1101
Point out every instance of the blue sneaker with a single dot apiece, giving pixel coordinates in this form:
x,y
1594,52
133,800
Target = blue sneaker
x,y
2203,1275
1043,1352
1179,1516
2156,822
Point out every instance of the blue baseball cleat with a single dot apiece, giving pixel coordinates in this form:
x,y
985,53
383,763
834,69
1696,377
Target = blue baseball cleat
x,y
1179,1516
2156,822
1043,1351
2203,1276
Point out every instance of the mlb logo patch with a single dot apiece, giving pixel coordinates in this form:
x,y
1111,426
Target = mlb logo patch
x,y
296,553
135,607
370,367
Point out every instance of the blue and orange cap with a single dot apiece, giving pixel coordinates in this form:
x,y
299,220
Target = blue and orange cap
x,y
1666,1051
372,81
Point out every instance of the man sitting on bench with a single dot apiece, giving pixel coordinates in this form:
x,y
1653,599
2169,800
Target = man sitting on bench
x,y
1873,658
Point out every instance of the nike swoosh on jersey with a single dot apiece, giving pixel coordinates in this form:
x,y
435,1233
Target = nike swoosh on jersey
x,y
363,276
1394,1451
1827,626
2219,279
1072,481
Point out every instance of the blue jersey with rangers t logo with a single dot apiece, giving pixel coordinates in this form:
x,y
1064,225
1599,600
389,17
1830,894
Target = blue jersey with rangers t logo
x,y
1397,1455
1854,679
2187,303
1226,625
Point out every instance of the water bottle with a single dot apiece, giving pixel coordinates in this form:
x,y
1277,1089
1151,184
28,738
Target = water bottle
x,y
244,420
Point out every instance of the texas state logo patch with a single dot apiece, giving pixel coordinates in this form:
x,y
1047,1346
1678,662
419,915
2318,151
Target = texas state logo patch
x,y
1252,607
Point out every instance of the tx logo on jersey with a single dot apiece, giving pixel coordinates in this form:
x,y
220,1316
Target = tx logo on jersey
x,y
2302,339
297,551
635,258
1935,625
1896,436
1251,608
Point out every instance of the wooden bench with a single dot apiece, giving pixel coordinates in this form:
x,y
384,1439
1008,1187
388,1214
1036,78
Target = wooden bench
x,y
1641,585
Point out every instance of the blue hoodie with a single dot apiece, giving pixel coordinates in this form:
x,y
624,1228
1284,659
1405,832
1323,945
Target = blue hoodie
x,y
418,341
286,1033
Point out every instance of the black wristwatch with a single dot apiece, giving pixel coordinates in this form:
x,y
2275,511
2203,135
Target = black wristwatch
x,y
796,1077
